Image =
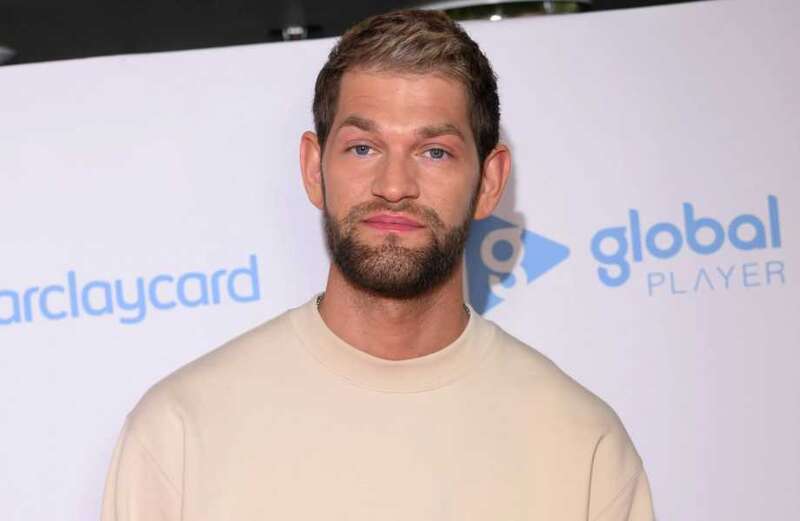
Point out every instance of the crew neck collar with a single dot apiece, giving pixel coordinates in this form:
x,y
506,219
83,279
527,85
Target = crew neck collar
x,y
418,374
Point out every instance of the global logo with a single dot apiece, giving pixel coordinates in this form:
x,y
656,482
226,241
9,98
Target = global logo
x,y
502,258
618,248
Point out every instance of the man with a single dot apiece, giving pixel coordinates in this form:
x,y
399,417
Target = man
x,y
386,397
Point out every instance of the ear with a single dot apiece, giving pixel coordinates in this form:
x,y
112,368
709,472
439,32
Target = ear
x,y
311,168
496,170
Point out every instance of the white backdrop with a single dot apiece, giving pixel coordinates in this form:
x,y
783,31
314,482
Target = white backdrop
x,y
648,242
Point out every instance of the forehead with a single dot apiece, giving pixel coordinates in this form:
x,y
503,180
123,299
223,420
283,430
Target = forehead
x,y
403,98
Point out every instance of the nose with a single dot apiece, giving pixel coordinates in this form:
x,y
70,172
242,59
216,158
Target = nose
x,y
396,179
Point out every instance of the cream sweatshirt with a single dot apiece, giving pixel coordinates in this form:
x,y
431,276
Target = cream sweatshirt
x,y
288,422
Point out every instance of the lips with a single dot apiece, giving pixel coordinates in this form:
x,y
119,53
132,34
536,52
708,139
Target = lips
x,y
390,222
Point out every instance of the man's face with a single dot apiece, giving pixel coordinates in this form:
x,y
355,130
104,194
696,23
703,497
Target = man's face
x,y
401,173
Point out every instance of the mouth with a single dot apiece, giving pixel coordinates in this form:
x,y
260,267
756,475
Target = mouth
x,y
393,223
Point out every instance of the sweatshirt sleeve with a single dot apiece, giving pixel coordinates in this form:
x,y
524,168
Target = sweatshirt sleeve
x,y
619,487
144,482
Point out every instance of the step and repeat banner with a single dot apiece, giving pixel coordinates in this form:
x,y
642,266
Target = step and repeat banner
x,y
151,209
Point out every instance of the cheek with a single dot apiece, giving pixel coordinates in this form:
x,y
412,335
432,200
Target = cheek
x,y
342,186
341,200
451,201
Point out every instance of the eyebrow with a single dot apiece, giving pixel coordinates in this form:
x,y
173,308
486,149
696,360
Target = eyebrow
x,y
367,125
427,132
440,130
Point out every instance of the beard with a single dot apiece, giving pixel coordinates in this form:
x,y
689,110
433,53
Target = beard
x,y
389,269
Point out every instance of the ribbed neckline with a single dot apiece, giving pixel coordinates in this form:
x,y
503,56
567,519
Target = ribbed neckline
x,y
418,374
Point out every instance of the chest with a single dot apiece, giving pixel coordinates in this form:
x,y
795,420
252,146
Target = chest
x,y
403,459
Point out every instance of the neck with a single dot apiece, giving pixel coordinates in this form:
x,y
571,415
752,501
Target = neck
x,y
395,329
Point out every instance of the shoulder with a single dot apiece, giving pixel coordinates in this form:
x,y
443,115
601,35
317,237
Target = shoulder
x,y
573,416
236,367
542,385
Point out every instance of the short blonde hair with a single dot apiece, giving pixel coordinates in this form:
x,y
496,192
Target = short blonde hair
x,y
416,41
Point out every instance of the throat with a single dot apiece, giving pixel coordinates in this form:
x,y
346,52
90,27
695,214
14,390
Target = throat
x,y
395,329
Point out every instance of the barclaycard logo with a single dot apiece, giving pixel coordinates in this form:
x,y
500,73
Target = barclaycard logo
x,y
502,258
129,300
618,248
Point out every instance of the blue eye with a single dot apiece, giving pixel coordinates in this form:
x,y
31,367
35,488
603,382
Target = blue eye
x,y
361,150
436,153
